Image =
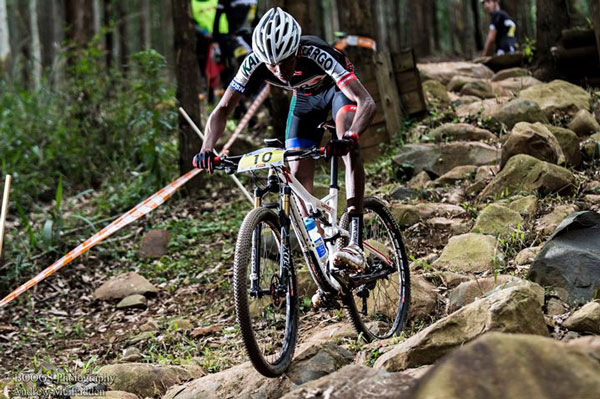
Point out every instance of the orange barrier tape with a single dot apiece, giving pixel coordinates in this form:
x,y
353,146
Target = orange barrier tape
x,y
358,41
135,213
249,114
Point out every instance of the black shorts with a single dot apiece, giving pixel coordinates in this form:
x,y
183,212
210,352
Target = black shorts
x,y
307,112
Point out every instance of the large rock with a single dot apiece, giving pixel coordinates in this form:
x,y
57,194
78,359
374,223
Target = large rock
x,y
503,61
136,301
355,382
499,366
124,285
405,215
155,244
513,86
570,260
243,381
558,97
444,71
468,291
548,223
435,94
584,124
497,219
516,308
569,143
509,73
586,319
456,174
458,82
526,206
478,88
145,380
461,132
468,253
532,139
484,108
590,148
441,158
519,110
423,297
525,173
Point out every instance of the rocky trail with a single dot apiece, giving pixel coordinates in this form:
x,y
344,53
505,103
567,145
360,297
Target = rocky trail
x,y
498,194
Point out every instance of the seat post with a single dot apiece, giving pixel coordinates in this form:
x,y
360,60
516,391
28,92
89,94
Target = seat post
x,y
333,179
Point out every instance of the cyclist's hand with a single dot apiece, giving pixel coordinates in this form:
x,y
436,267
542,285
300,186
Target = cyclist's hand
x,y
352,137
205,160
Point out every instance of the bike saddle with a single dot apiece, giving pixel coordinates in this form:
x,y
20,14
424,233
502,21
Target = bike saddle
x,y
330,124
273,143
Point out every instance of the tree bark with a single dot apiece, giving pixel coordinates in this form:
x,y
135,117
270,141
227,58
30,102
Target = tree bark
x,y
477,25
123,37
36,50
145,20
419,17
80,20
188,84
595,11
552,18
108,37
4,38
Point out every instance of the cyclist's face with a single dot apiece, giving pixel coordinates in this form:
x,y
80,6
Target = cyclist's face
x,y
285,69
490,5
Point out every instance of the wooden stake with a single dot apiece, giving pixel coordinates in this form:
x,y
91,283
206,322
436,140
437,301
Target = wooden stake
x,y
4,211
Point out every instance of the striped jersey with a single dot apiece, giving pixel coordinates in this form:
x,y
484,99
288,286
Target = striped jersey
x,y
319,66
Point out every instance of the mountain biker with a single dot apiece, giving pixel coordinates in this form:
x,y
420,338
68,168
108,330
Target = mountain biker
x,y
322,79
502,29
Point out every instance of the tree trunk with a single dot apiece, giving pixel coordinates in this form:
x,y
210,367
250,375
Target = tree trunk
x,y
36,50
80,20
123,37
477,25
188,84
108,38
4,38
145,20
595,11
552,18
419,18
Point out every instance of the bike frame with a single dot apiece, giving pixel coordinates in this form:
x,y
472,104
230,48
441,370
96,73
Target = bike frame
x,y
295,195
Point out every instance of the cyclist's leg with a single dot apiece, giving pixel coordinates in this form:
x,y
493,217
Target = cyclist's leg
x,y
343,111
302,132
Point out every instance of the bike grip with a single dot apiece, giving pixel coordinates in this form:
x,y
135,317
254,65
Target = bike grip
x,y
322,151
217,161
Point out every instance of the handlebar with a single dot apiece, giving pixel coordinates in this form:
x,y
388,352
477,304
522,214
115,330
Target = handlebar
x,y
225,162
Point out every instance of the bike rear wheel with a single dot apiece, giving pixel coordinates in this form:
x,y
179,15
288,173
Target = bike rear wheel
x,y
267,317
379,309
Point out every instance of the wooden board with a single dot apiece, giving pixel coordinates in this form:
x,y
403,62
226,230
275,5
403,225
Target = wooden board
x,y
388,90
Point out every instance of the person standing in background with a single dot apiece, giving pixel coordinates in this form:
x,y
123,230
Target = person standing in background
x,y
502,30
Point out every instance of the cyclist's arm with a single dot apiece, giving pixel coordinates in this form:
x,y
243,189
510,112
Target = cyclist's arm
x,y
489,42
215,126
365,105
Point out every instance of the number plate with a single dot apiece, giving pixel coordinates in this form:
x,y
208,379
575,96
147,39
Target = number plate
x,y
260,159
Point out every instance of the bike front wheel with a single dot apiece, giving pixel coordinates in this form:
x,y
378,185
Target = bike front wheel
x,y
378,308
266,307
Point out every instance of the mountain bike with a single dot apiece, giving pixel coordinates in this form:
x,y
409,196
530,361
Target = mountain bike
x,y
376,300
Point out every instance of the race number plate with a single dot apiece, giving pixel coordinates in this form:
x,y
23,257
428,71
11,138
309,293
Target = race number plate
x,y
260,159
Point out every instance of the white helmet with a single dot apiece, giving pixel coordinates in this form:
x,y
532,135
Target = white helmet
x,y
276,37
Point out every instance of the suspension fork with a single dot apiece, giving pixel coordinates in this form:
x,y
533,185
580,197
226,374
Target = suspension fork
x,y
285,263
255,259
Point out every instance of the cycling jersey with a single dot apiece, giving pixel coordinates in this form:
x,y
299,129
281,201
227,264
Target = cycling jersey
x,y
318,68
321,71
505,31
